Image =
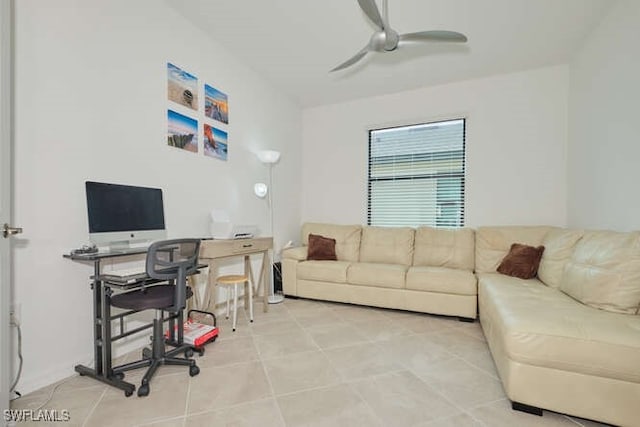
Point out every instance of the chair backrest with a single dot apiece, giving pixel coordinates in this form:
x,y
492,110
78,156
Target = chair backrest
x,y
174,260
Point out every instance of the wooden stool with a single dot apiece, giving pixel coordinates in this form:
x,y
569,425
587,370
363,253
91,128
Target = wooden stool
x,y
233,280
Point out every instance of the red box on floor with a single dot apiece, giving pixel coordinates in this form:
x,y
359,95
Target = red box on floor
x,y
197,334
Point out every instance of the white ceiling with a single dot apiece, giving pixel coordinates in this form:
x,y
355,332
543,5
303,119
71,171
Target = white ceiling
x,y
294,43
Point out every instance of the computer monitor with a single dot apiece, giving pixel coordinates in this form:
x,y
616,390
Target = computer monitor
x,y
120,215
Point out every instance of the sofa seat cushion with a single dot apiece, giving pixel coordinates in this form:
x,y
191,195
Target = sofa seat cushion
x,y
379,275
541,326
442,280
324,271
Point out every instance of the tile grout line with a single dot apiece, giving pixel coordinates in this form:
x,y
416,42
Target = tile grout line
x,y
95,405
349,383
186,405
363,400
344,380
450,401
226,408
275,398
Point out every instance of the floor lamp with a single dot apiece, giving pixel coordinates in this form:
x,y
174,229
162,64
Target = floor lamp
x,y
269,158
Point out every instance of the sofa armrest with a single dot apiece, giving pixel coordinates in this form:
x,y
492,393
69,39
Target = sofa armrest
x,y
297,254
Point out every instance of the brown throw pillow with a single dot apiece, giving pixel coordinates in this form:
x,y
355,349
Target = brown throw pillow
x,y
522,261
321,248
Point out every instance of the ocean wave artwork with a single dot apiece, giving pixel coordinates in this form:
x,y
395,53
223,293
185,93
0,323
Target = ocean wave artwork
x,y
215,142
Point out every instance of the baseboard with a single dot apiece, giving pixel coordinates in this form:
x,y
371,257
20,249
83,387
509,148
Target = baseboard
x,y
28,384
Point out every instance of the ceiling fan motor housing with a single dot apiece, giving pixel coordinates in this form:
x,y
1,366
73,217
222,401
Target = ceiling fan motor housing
x,y
384,40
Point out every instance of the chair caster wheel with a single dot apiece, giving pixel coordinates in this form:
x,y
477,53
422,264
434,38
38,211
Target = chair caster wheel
x,y
188,353
201,352
128,393
119,375
251,320
193,371
146,353
143,390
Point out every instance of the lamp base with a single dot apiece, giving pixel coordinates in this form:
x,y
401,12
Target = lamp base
x,y
276,299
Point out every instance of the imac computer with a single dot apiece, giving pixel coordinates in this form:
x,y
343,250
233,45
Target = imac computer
x,y
121,215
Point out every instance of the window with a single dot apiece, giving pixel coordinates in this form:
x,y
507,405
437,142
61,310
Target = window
x,y
417,175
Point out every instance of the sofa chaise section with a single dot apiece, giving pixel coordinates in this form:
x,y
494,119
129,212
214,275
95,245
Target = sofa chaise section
x,y
551,350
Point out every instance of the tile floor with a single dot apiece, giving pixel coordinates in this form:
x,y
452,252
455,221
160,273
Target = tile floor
x,y
308,363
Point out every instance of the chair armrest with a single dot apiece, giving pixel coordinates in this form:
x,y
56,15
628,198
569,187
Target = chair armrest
x,y
297,254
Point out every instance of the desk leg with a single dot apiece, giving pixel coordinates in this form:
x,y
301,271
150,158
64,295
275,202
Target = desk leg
x,y
266,275
97,322
209,299
102,340
247,272
106,332
193,302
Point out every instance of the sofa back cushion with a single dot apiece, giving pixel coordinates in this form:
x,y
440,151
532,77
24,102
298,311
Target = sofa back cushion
x,y
493,243
347,238
441,247
604,271
387,245
558,248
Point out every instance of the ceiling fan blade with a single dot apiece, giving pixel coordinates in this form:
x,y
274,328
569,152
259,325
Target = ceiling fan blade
x,y
355,58
434,36
370,8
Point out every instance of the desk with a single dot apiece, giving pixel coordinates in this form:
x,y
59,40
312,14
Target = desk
x,y
217,249
102,334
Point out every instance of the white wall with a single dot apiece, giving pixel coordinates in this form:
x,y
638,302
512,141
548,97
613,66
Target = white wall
x,y
516,147
91,105
604,147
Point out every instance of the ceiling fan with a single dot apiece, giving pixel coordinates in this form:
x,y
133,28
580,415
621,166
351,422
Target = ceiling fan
x,y
385,39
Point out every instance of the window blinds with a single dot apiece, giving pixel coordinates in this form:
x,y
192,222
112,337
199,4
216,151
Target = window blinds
x,y
417,175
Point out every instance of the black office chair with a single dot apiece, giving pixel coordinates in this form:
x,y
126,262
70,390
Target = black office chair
x,y
172,261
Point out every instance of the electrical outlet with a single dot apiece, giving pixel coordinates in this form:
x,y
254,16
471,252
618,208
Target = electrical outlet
x,y
15,312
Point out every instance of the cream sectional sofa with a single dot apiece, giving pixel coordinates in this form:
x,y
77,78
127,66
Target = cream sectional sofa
x,y
567,341
425,269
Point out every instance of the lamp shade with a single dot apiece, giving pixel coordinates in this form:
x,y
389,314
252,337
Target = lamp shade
x,y
268,156
260,189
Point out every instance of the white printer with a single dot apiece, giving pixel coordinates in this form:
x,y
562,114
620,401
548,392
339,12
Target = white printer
x,y
222,228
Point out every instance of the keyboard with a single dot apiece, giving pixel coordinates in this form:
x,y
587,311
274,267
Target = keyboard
x,y
128,275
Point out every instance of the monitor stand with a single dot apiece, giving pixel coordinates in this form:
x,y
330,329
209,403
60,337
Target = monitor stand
x,y
126,246
120,245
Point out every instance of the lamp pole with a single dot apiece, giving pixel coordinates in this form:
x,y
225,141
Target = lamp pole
x,y
273,298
